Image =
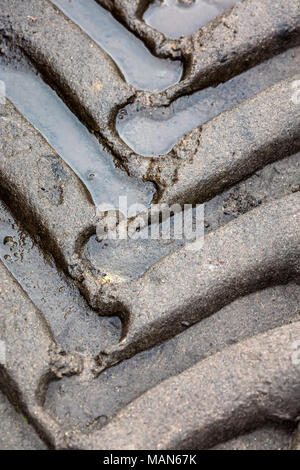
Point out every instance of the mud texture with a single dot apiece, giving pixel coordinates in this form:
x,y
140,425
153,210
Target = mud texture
x,y
141,345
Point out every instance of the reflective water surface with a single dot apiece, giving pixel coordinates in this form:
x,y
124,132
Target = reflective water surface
x,y
140,68
156,131
80,149
74,324
177,18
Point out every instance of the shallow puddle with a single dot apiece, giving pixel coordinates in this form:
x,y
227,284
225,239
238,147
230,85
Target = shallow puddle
x,y
156,131
176,18
42,107
140,68
74,324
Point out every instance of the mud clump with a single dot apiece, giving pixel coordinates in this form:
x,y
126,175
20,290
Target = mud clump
x,y
239,202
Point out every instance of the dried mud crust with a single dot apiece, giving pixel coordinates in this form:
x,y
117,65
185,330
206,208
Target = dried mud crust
x,y
207,337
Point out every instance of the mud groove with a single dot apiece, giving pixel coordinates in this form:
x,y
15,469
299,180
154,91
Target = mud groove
x,y
208,334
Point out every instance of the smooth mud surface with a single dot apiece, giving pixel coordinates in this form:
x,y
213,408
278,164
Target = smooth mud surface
x,y
176,18
138,66
81,150
92,403
76,327
156,131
